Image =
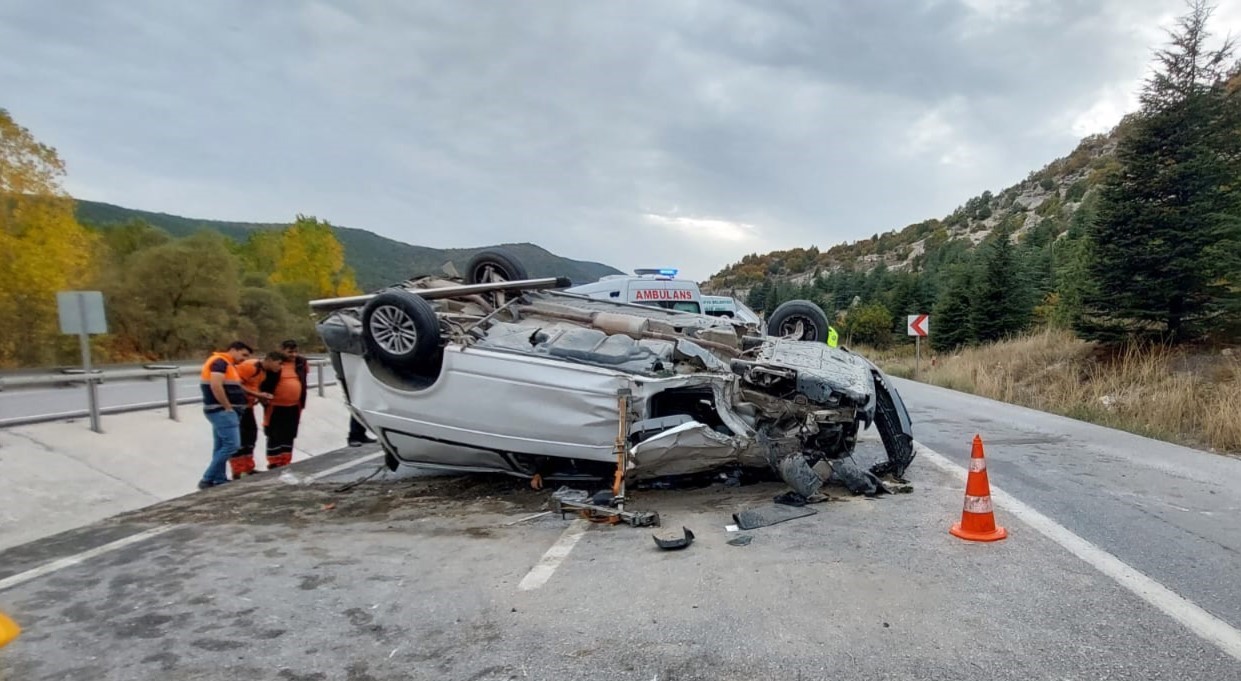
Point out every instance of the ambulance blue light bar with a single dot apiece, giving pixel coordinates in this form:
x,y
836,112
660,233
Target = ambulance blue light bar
x,y
662,272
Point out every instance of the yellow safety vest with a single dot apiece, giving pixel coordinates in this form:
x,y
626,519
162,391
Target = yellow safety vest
x,y
833,338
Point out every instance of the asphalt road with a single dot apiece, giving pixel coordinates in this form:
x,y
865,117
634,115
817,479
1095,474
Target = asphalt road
x,y
1172,512
26,402
400,577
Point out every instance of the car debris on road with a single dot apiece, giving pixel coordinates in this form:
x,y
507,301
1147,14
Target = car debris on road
x,y
675,543
573,502
501,372
754,518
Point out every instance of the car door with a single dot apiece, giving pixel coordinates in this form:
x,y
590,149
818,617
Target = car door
x,y
487,403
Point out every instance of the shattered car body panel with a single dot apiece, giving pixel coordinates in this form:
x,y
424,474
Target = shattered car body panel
x,y
688,448
529,385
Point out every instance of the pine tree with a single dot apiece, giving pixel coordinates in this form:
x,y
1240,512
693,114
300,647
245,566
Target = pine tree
x,y
1166,242
1071,260
772,299
1001,297
757,296
951,315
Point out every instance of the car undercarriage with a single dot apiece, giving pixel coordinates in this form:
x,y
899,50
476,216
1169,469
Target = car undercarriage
x,y
515,376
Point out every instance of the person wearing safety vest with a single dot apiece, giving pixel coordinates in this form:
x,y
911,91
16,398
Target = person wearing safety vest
x,y
833,338
283,413
252,373
223,398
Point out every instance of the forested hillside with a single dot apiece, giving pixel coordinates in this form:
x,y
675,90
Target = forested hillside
x,y
376,261
176,287
1030,232
1134,235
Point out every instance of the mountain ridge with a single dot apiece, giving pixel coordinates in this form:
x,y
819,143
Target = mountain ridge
x,y
377,261
1049,196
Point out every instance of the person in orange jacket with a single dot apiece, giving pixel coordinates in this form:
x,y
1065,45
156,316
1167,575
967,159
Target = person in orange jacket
x,y
252,373
283,413
222,398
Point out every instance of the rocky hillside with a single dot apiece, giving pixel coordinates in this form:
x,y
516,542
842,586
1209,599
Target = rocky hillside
x,y
1047,197
376,261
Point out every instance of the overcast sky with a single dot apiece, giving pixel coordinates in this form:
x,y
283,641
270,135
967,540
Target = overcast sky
x,y
639,133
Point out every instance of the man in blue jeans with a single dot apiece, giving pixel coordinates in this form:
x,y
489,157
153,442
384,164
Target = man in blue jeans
x,y
223,399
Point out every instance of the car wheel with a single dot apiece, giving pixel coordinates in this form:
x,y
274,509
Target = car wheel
x,y
494,265
800,319
401,330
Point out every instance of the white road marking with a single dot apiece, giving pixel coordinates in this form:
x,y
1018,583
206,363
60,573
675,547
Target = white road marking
x,y
546,567
344,466
69,561
1190,615
523,519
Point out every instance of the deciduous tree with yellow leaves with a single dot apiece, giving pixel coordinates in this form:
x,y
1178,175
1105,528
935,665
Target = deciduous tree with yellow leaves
x,y
43,249
311,258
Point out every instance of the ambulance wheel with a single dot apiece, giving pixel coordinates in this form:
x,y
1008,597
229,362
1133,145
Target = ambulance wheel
x,y
401,330
494,265
800,319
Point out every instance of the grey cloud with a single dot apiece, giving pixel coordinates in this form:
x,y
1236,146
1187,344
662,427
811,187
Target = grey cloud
x,y
560,122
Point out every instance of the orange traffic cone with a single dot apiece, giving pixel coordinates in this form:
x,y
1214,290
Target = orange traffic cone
x,y
977,518
8,630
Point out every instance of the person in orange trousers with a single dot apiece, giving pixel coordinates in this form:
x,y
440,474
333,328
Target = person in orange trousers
x,y
283,413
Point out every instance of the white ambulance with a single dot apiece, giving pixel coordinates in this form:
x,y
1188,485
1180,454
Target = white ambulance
x,y
725,306
653,287
660,288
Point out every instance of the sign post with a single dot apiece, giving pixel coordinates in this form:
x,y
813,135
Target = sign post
x,y
81,313
918,326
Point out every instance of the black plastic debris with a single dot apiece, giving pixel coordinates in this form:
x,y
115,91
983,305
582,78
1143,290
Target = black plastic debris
x,y
741,540
790,498
892,422
675,544
886,471
755,518
787,460
857,479
799,475
603,498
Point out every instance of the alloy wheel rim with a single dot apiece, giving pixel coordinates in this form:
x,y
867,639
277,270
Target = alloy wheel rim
x,y
393,329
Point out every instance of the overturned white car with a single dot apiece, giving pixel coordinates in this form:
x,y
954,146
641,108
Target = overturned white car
x,y
501,372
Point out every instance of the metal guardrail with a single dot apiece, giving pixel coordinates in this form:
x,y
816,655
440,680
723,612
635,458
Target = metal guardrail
x,y
169,372
81,377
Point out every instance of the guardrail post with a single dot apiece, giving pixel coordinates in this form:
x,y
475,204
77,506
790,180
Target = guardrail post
x,y
92,399
172,395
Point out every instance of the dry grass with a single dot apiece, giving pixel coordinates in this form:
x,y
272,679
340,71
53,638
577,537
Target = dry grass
x,y
1156,391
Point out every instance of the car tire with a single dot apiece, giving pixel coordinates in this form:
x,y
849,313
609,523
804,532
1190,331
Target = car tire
x,y
494,265
783,322
401,330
